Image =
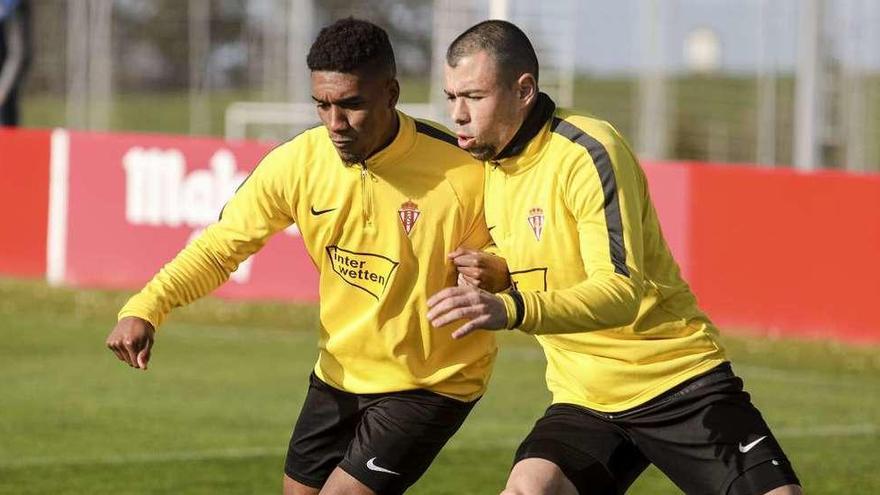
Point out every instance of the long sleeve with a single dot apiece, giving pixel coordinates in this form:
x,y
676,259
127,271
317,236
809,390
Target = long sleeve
x,y
262,206
469,194
604,195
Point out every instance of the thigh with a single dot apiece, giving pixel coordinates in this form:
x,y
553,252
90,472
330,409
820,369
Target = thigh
x,y
536,476
595,455
292,487
323,432
342,483
710,437
398,437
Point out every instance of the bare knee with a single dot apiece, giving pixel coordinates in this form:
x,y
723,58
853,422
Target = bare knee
x,y
293,487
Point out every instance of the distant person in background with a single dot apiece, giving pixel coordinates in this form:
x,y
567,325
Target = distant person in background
x,y
637,373
380,199
14,56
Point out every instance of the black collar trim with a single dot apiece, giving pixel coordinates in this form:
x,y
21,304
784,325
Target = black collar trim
x,y
535,120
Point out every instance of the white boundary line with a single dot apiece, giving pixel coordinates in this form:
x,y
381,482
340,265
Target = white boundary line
x,y
845,430
56,239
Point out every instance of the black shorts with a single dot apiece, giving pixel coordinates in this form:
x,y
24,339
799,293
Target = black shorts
x,y
704,434
386,441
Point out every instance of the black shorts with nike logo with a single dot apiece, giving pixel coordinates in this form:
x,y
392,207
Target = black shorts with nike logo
x,y
704,434
386,441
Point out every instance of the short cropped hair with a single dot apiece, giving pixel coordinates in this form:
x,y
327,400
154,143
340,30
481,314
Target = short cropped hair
x,y
503,41
349,45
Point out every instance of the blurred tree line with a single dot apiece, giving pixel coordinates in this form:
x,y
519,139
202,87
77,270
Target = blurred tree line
x,y
247,41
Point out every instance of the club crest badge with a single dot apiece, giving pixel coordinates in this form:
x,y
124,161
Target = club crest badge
x,y
536,222
409,214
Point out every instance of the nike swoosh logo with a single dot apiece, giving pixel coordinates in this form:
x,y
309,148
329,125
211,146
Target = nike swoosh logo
x,y
746,448
321,212
371,465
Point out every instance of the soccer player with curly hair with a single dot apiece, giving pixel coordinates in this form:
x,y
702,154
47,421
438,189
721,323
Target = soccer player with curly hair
x,y
380,199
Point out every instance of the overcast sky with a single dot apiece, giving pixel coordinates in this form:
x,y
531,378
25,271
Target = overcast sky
x,y
609,35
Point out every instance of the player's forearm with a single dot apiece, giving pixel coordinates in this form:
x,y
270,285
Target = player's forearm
x,y
196,271
609,301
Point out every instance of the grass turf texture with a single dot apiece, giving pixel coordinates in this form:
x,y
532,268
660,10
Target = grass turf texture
x,y
214,412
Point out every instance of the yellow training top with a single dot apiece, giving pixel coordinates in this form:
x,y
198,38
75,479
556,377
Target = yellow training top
x,y
568,207
379,233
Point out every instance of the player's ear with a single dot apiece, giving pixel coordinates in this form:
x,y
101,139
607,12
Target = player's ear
x,y
393,92
527,88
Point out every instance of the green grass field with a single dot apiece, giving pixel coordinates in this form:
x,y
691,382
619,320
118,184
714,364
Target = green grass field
x,y
214,412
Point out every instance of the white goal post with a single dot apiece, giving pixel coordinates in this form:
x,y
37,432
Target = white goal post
x,y
292,118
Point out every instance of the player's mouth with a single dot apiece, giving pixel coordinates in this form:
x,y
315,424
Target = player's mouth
x,y
465,142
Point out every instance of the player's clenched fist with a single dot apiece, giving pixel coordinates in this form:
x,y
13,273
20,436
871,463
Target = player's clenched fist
x,y
481,269
131,341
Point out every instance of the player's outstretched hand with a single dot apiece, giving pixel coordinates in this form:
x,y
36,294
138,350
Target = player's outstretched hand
x,y
131,341
481,269
482,309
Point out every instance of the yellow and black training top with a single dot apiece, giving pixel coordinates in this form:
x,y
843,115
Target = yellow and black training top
x,y
568,207
379,233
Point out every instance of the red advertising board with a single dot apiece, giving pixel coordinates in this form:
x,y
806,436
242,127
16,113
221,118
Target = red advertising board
x,y
24,201
794,253
764,249
669,187
135,200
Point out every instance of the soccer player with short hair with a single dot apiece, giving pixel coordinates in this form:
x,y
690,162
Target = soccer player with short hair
x,y
380,199
635,367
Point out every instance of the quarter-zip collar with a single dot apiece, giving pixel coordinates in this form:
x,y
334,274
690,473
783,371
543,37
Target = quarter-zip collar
x,y
399,147
527,145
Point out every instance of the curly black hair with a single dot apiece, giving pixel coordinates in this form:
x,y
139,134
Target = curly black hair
x,y
350,45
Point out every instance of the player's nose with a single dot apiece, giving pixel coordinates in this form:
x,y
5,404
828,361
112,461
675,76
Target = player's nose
x,y
459,112
337,121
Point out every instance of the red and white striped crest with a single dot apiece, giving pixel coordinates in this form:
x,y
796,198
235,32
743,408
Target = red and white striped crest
x,y
409,213
536,221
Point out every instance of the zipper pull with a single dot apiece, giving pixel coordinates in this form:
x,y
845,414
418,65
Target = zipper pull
x,y
366,193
